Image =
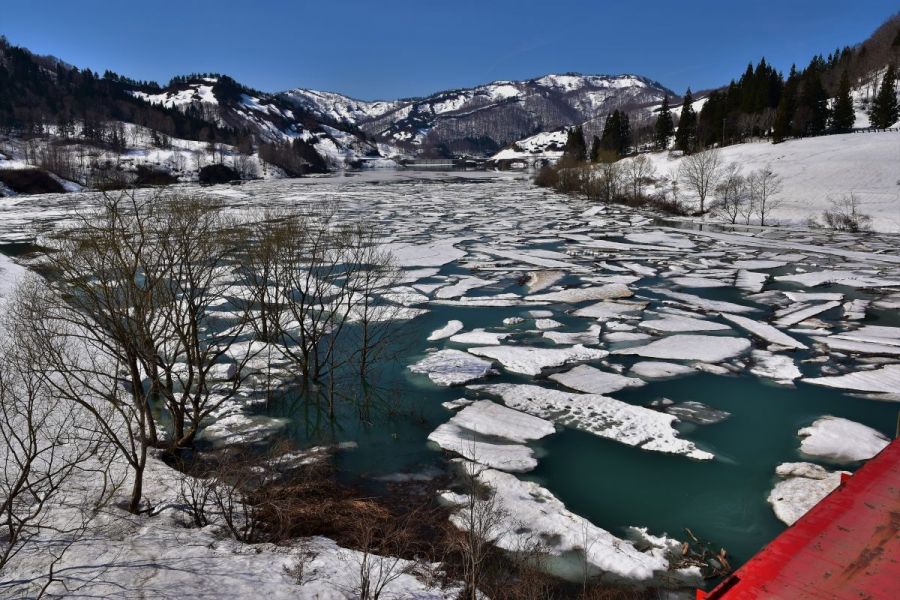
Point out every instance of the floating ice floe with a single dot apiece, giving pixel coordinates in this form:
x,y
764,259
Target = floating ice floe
x,y
662,238
600,415
840,441
803,485
704,348
699,282
704,303
872,334
794,314
499,300
651,369
841,343
541,280
852,279
810,297
778,367
697,412
493,435
759,264
452,367
675,323
885,380
433,253
461,287
539,258
855,310
529,360
750,281
591,380
530,512
591,337
547,324
764,331
609,310
513,320
451,328
405,296
575,295
479,337
625,336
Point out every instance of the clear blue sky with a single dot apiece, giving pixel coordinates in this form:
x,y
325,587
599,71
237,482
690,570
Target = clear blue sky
x,y
374,49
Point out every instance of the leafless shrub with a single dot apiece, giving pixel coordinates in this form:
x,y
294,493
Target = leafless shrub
x,y
845,215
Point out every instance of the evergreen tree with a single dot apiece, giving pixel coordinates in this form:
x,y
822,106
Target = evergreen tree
x,y
608,139
686,136
811,116
616,133
783,126
665,127
624,134
575,150
884,111
842,117
596,148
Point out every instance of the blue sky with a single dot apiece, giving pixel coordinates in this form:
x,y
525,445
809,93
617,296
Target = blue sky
x,y
396,48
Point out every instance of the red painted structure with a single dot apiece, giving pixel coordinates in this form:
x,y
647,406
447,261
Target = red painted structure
x,y
846,546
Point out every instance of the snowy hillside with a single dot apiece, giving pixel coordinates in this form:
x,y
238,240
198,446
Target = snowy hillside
x,y
337,107
272,118
483,119
546,146
816,171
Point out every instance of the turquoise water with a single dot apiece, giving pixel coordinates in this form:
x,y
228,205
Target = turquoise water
x,y
614,485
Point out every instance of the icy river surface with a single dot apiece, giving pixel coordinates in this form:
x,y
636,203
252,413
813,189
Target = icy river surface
x,y
639,371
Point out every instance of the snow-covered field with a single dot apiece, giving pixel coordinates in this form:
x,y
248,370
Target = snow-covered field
x,y
635,301
816,171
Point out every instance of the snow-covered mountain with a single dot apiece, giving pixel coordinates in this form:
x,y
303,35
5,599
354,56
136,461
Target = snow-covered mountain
x,y
485,118
270,117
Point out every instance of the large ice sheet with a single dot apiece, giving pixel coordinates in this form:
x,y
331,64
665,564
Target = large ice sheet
x,y
591,380
600,415
764,331
802,486
840,440
529,511
451,367
703,348
532,361
885,380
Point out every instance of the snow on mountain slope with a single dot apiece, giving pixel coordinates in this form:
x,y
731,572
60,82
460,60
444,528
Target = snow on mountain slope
x,y
483,119
547,145
817,170
338,107
198,92
272,118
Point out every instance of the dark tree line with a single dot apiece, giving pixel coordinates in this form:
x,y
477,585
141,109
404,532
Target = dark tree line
x,y
36,92
764,103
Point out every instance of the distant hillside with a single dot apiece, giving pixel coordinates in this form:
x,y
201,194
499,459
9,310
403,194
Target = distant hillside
x,y
482,119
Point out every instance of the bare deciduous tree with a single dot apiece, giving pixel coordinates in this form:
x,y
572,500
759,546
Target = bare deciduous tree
x,y
700,173
46,446
638,170
765,185
733,193
480,521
